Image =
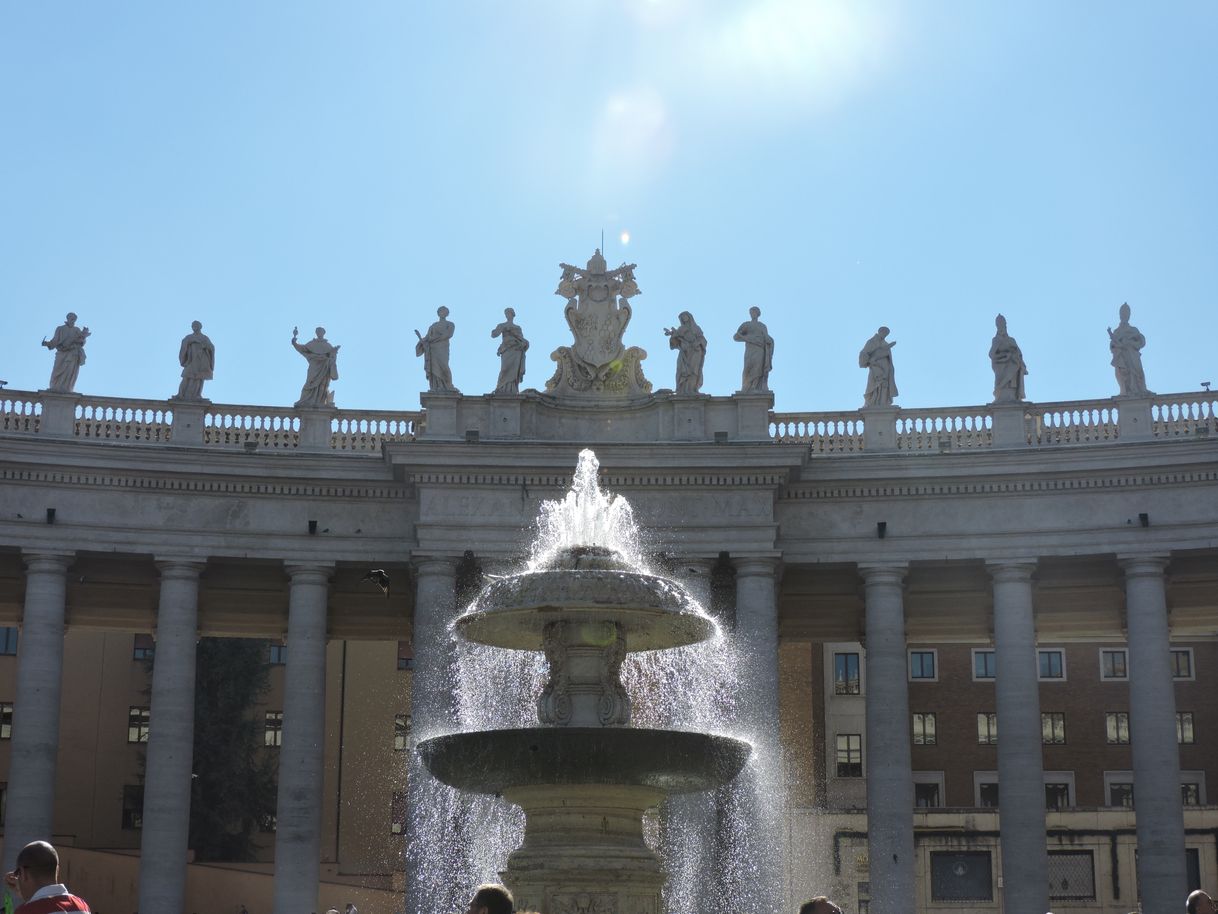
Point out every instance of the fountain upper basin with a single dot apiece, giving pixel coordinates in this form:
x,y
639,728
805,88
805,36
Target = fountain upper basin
x,y
673,761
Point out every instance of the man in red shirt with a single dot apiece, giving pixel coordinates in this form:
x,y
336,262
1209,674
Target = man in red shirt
x,y
36,878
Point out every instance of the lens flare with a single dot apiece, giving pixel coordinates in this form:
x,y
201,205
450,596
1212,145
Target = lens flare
x,y
625,238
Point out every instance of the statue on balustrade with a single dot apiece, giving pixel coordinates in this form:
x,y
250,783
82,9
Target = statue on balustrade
x,y
876,357
1009,368
758,353
1126,343
688,340
69,345
434,349
511,353
197,356
323,368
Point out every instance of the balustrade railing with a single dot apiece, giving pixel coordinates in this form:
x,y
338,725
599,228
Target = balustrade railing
x,y
114,419
20,412
968,427
367,430
1177,415
263,426
824,433
1073,422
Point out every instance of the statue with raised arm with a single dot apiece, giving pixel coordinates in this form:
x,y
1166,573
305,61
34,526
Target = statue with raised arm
x,y
323,368
1007,362
197,356
69,345
688,340
511,353
1126,343
434,349
758,353
876,357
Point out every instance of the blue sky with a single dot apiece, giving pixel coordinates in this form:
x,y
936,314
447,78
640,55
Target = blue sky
x,y
840,164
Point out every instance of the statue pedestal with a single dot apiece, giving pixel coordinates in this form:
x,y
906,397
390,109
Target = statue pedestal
x,y
440,420
188,420
879,428
504,415
315,431
1010,428
58,414
1134,420
753,415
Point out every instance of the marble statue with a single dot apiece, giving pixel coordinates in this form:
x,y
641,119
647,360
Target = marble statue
x,y
197,356
758,353
597,365
511,353
323,368
69,345
1126,343
1009,368
688,340
434,349
876,357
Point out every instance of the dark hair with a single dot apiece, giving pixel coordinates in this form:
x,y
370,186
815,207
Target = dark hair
x,y
40,859
810,906
495,898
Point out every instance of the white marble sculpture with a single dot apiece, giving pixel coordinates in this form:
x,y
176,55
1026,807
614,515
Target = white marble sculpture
x,y
876,357
598,365
323,368
511,353
69,345
197,356
1008,364
433,347
687,338
758,353
1126,343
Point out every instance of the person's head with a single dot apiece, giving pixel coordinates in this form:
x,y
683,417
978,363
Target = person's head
x,y
1125,312
509,314
321,333
71,318
819,905
1200,903
196,326
37,865
442,312
883,331
491,898
754,312
1001,323
685,317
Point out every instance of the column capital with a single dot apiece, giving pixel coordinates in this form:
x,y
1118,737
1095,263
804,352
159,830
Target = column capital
x,y
435,564
1014,569
1146,564
694,564
309,572
47,562
755,566
884,572
179,567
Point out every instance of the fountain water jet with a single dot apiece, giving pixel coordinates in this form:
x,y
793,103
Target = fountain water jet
x,y
584,778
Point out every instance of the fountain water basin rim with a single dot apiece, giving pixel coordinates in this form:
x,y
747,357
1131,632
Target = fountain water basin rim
x,y
671,761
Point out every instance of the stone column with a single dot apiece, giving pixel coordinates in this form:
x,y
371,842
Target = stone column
x,y
298,808
886,754
163,843
431,712
1021,791
1152,736
35,742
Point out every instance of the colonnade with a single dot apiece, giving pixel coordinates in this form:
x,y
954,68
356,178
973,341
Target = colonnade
x,y
1160,824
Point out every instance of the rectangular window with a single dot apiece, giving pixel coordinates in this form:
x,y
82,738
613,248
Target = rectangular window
x,y
984,665
1184,728
1120,793
1071,876
924,728
6,720
137,724
987,728
1052,663
401,731
987,794
8,640
1190,793
961,876
1053,728
922,665
846,674
926,796
133,806
849,755
1117,725
278,654
272,734
397,814
1114,664
1057,796
405,655
142,647
1182,663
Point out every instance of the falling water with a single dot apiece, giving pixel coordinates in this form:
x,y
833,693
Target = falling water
x,y
716,839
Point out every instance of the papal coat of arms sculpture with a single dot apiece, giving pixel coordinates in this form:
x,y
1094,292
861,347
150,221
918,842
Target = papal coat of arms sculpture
x,y
598,366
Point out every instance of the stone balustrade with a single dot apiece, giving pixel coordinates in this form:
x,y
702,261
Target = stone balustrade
x,y
933,430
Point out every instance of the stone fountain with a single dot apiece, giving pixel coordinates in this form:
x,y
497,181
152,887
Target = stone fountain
x,y
584,777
